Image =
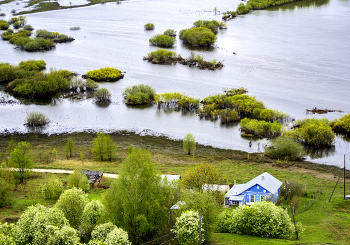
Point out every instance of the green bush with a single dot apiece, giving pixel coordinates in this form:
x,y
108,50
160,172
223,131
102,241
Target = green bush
x,y
162,56
177,100
243,9
6,186
2,14
78,180
100,232
7,72
41,84
213,25
91,85
52,189
102,96
36,119
199,36
314,132
4,25
290,190
104,74
263,219
170,32
149,26
261,128
162,40
270,115
53,36
341,125
28,27
228,115
284,148
32,65
6,240
139,94
72,202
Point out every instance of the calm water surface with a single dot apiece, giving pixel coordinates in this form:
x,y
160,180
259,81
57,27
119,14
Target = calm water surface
x,y
293,58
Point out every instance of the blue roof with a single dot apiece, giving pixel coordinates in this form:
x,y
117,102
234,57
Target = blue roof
x,y
265,180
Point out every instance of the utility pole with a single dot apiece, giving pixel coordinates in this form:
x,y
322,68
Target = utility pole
x,y
290,205
200,227
344,176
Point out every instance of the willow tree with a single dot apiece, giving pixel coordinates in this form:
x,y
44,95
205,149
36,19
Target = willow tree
x,y
139,199
22,160
189,143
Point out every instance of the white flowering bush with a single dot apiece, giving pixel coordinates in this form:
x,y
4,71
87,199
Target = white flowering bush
x,y
72,202
186,228
94,214
224,221
262,219
109,234
8,229
31,227
117,237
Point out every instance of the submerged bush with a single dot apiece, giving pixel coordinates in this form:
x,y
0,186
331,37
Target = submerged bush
x,y
177,100
41,84
149,26
104,74
284,148
199,36
102,95
270,115
341,125
28,27
32,65
139,94
53,36
90,85
162,56
4,25
170,32
213,25
36,119
162,40
314,132
261,128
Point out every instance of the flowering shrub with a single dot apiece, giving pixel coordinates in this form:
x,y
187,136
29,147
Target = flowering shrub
x,y
101,231
262,219
78,180
186,228
104,74
109,234
117,237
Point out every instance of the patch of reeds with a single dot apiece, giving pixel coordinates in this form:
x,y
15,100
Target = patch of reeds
x,y
36,119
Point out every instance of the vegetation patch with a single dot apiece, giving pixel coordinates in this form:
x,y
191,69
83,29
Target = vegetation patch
x,y
36,119
198,36
149,26
102,96
170,32
177,101
139,94
341,125
107,74
162,56
162,40
284,148
261,129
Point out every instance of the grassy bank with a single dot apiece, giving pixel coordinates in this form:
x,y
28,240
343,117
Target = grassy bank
x,y
324,221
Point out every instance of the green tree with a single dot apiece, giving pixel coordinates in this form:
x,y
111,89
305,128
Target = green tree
x,y
139,199
103,147
70,145
54,153
6,185
21,158
94,214
189,143
72,202
284,148
78,180
203,177
209,209
187,228
52,189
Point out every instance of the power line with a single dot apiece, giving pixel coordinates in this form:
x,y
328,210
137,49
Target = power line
x,y
157,238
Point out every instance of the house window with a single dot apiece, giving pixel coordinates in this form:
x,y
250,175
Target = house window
x,y
235,203
263,198
251,198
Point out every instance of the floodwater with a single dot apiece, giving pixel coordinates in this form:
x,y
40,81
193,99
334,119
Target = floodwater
x,y
292,58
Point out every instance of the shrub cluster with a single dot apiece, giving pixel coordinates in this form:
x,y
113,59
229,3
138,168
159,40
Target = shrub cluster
x,y
102,96
186,228
4,25
149,26
263,219
54,36
40,84
52,189
270,115
212,25
162,56
139,94
198,36
314,132
82,85
78,180
341,125
104,74
261,128
103,147
36,119
177,101
162,40
284,148
170,32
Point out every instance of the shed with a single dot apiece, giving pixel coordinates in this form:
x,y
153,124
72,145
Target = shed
x,y
94,177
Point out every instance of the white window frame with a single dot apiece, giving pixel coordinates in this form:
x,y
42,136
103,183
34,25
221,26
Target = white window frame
x,y
252,198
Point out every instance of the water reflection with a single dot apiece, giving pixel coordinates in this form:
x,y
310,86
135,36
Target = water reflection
x,y
300,4
315,153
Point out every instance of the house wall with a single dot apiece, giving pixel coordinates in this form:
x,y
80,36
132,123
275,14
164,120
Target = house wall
x,y
257,191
